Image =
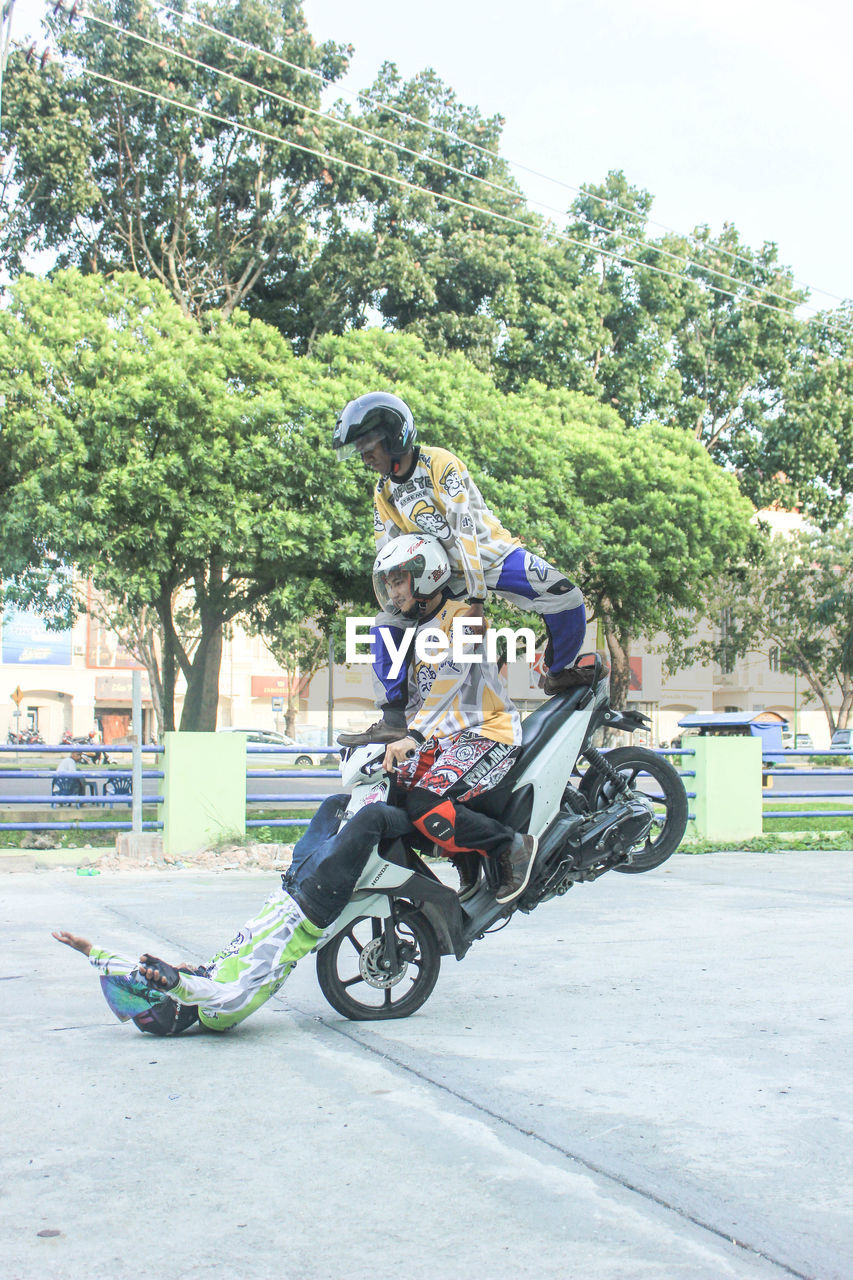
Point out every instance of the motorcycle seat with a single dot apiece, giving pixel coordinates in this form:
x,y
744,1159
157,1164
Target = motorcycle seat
x,y
536,732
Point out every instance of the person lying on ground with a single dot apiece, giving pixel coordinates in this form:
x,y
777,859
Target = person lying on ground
x,y
166,999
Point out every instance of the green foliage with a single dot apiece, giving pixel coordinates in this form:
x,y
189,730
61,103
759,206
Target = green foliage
x,y
46,181
426,266
160,456
666,521
730,356
811,440
200,205
799,598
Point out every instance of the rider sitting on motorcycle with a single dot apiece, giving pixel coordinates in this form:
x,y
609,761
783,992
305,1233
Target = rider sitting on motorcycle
x,y
427,490
465,735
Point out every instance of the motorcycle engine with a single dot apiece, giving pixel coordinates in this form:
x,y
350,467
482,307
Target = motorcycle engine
x,y
613,830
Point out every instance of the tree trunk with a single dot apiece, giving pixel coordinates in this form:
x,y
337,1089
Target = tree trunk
x,y
169,665
148,653
202,699
619,648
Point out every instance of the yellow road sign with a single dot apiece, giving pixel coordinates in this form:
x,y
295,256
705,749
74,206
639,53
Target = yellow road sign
x,y
18,696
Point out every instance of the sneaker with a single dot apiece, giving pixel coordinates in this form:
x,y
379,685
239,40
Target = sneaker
x,y
379,732
516,865
468,866
568,678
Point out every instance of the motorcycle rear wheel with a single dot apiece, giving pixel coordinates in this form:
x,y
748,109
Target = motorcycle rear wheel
x,y
670,819
350,976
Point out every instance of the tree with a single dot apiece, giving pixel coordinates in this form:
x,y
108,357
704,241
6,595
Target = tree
x,y
664,329
425,265
809,443
628,361
798,597
667,522
165,457
730,355
300,649
198,204
45,183
162,457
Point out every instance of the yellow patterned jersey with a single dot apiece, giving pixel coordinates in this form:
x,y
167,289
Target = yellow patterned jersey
x,y
455,696
439,497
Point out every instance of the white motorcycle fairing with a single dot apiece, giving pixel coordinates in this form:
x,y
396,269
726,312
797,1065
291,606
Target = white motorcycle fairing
x,y
546,775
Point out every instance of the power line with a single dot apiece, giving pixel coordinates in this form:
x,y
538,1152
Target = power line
x,y
451,135
125,32
410,186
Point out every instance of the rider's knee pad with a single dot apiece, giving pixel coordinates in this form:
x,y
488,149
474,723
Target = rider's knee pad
x,y
435,817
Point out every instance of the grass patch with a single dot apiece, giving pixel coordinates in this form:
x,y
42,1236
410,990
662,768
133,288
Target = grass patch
x,y
787,841
276,835
808,824
74,839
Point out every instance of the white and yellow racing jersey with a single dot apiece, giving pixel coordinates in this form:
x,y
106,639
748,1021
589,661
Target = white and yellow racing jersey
x,y
439,497
455,696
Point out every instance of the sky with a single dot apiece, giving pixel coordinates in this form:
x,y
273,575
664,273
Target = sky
x,y
737,111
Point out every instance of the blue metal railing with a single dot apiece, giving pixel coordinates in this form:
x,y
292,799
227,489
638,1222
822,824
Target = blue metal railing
x,y
682,773
314,799
255,800
770,794
88,776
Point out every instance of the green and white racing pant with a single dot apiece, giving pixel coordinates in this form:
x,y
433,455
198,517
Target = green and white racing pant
x,y
245,974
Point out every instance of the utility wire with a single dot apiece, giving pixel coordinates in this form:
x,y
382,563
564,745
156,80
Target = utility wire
x,y
451,135
124,33
410,186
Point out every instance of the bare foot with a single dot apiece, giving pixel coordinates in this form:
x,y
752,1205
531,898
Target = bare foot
x,y
71,940
157,972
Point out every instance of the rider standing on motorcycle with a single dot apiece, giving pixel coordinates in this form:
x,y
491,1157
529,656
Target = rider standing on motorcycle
x,y
427,490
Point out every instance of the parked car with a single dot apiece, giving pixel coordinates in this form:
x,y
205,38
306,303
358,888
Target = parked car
x,y
314,737
269,738
842,739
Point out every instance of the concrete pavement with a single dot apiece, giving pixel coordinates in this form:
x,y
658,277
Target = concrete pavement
x,y
647,1079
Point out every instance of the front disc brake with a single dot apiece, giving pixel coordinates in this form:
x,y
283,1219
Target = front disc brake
x,y
370,965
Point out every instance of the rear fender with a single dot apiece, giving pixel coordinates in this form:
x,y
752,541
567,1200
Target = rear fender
x,y
627,719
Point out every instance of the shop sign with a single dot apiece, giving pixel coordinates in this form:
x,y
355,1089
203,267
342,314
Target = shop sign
x,y
27,641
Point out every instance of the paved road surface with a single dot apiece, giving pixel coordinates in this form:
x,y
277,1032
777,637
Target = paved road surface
x,y
647,1080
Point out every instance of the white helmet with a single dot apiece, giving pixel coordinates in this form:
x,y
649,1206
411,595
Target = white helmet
x,y
417,554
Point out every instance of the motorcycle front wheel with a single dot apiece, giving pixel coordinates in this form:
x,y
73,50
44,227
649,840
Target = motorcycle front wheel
x,y
663,785
353,973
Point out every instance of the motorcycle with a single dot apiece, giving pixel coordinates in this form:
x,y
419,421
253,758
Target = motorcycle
x,y
87,744
26,738
382,956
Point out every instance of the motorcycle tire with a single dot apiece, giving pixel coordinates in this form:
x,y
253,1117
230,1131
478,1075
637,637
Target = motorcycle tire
x,y
670,820
352,983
